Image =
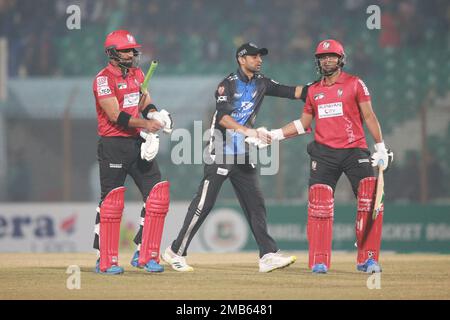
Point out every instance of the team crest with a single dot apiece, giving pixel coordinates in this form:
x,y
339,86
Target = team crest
x,y
340,92
326,45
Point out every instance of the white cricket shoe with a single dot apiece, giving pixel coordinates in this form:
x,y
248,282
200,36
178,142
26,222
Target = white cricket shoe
x,y
272,261
177,262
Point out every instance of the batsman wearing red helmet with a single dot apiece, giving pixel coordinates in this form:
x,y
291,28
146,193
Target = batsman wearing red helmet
x,y
340,103
121,152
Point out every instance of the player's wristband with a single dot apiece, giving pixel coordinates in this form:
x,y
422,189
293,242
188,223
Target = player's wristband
x,y
123,119
298,125
147,109
277,134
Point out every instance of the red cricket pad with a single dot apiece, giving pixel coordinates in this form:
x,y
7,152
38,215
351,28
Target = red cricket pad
x,y
156,208
368,231
111,211
320,224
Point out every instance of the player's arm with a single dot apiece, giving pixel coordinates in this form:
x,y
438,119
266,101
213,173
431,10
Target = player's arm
x,y
230,124
382,155
279,90
294,128
110,106
371,120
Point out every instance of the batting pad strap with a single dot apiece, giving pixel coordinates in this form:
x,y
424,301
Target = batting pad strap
x,y
123,119
148,109
321,201
298,125
366,194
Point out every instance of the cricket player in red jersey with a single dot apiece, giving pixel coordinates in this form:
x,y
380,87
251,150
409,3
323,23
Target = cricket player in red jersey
x,y
128,144
340,103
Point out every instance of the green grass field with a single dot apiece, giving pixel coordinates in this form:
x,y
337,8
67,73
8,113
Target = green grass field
x,y
224,276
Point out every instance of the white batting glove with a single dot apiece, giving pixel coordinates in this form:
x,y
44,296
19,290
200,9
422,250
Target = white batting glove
x,y
168,122
150,148
162,117
382,156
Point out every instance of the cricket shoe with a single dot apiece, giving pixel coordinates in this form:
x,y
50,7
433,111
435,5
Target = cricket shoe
x,y
275,260
113,270
319,268
135,260
151,266
370,266
177,262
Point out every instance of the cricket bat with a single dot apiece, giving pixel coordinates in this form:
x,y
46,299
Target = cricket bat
x,y
144,86
379,194
148,76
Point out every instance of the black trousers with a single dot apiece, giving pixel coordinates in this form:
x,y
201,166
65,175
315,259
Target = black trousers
x,y
244,180
327,165
117,158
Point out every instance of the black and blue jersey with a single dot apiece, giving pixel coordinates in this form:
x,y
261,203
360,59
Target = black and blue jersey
x,y
241,98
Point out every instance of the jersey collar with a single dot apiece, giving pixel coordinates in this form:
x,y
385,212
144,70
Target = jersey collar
x,y
340,79
241,75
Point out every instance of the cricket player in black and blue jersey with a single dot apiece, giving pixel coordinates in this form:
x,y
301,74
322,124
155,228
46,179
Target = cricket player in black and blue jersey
x,y
238,99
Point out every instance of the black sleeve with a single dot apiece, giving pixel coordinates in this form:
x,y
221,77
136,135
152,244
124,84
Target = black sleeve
x,y
224,98
275,89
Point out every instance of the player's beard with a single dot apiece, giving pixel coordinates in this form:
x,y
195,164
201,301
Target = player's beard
x,y
128,63
329,71
255,69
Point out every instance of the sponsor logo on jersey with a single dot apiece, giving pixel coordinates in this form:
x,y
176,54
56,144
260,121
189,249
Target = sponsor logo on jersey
x,y
330,110
103,91
102,81
319,96
222,99
122,86
340,92
246,105
131,100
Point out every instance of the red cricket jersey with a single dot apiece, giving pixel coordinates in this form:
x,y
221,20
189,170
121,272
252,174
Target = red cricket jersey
x,y
110,83
339,122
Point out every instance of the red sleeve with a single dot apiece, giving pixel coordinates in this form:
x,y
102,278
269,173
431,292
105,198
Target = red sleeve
x,y
308,108
104,87
362,93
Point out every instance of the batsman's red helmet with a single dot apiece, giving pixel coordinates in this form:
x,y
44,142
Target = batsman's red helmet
x,y
330,46
120,40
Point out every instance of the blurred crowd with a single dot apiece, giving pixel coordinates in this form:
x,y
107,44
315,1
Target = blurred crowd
x,y
204,32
